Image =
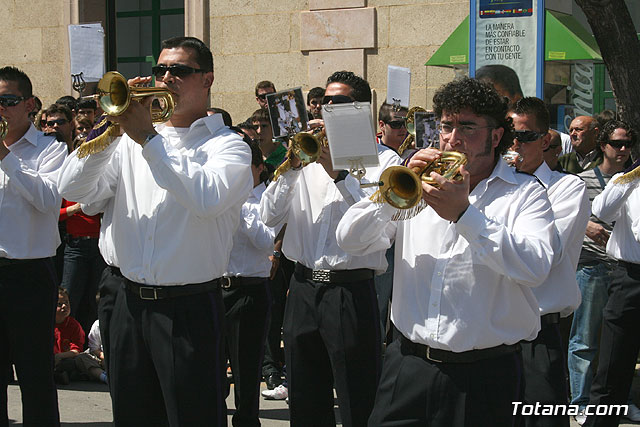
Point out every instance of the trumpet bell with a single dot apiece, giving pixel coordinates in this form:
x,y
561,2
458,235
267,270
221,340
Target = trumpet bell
x,y
400,187
115,95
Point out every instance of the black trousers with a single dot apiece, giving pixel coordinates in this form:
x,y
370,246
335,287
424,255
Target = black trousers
x,y
619,345
545,376
246,319
416,392
28,298
165,358
332,337
273,356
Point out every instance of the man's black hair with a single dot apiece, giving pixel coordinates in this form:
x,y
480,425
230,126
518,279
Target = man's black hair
x,y
226,117
360,89
247,125
535,107
604,136
482,99
604,116
386,110
265,84
13,74
86,103
204,58
68,101
503,75
316,92
59,109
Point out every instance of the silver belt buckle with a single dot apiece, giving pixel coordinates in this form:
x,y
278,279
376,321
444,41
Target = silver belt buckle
x,y
323,276
154,293
429,357
225,282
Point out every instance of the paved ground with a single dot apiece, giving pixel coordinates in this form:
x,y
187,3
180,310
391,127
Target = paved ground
x,y
88,404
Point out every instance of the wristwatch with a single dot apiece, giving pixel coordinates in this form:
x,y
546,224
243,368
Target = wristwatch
x,y
277,254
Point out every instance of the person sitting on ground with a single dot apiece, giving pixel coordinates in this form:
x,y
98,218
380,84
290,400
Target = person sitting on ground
x,y
69,340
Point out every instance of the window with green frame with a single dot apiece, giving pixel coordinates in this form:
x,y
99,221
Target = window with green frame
x,y
141,25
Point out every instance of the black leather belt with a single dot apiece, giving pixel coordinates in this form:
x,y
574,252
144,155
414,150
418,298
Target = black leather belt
x,y
333,276
231,282
5,262
445,356
549,319
633,269
153,293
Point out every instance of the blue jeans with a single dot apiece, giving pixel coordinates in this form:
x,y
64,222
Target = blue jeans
x,y
593,281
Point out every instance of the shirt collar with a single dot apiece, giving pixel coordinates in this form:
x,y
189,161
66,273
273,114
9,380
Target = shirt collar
x,y
31,135
504,172
543,173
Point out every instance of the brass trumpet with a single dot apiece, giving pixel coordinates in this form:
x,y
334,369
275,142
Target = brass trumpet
x,y
307,146
4,128
114,95
411,129
401,187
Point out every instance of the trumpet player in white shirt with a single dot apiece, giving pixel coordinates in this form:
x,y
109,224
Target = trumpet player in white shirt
x,y
173,195
464,271
331,324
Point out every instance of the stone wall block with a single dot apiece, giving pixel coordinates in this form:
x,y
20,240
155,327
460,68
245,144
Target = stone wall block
x,y
335,4
233,73
285,70
423,25
323,63
256,34
337,29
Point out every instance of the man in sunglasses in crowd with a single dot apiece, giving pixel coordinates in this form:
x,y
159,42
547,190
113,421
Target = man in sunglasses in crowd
x,y
596,269
331,323
171,196
264,88
29,209
558,295
393,126
464,272
59,121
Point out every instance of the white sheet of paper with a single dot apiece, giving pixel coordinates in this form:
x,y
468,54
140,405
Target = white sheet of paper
x,y
86,47
398,85
351,135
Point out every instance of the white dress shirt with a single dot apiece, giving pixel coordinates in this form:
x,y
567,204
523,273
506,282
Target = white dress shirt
x,y
173,205
465,285
559,293
29,200
311,205
621,203
252,242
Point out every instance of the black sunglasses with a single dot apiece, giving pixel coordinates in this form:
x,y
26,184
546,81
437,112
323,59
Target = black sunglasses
x,y
337,99
263,96
59,122
397,124
619,143
528,135
11,100
177,70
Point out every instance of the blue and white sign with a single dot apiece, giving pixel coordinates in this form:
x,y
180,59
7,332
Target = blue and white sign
x,y
510,33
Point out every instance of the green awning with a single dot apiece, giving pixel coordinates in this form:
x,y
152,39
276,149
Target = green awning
x,y
565,40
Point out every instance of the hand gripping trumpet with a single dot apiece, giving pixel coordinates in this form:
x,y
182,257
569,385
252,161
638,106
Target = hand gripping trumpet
x,y
307,146
401,187
114,95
